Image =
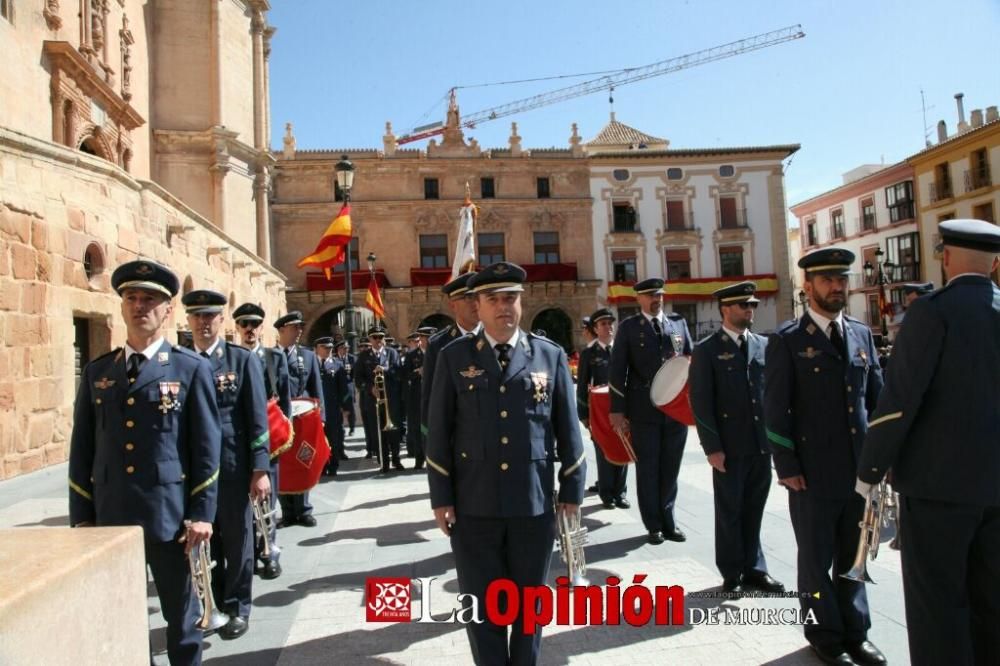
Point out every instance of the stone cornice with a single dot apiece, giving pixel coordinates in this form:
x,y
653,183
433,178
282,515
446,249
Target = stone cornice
x,y
218,140
65,58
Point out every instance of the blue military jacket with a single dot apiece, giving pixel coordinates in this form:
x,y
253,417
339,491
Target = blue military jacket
x,y
938,419
365,378
239,391
279,388
493,439
412,374
303,376
592,370
816,403
435,344
334,378
636,357
727,394
145,453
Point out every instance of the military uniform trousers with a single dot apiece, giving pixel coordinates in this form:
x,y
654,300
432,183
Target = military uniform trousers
x,y
659,448
258,544
951,581
740,495
181,608
232,549
519,549
390,438
334,429
611,479
414,438
294,507
827,533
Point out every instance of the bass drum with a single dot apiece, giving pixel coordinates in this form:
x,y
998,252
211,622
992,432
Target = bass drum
x,y
302,464
669,390
617,448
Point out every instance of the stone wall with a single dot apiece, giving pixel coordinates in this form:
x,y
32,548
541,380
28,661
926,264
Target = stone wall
x,y
55,203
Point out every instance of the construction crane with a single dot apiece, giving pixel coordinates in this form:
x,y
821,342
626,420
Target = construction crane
x,y
611,81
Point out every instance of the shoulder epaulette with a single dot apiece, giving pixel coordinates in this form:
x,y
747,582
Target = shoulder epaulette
x,y
674,316
184,351
787,326
110,353
533,336
238,350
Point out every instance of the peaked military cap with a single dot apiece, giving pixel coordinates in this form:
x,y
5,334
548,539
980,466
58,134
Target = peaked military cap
x,y
970,234
457,287
501,276
325,341
413,336
599,314
293,317
918,288
339,343
144,274
203,301
649,286
376,331
426,331
248,312
741,292
364,344
828,261
389,340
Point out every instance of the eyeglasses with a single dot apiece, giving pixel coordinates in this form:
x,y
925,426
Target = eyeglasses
x,y
747,306
248,324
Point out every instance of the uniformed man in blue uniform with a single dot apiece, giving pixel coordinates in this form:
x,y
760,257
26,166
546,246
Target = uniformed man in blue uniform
x,y
727,399
936,427
249,317
914,290
413,371
145,447
303,382
382,355
334,392
464,308
821,379
344,366
592,370
504,413
245,459
644,342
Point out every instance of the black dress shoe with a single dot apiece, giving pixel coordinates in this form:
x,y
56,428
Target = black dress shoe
x,y
342,456
271,570
762,581
368,456
592,489
307,520
864,652
418,464
732,586
237,627
833,654
622,503
655,538
384,470
675,535
398,465
609,504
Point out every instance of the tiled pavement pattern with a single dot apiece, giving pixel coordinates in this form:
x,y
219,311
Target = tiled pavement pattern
x,y
314,613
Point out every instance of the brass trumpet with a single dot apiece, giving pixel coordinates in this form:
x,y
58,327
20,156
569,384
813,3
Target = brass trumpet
x,y
572,537
874,518
200,562
263,518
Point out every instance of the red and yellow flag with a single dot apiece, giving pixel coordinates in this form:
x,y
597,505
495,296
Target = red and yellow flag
x,y
331,248
373,299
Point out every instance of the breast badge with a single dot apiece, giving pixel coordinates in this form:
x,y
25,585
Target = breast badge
x,y
169,391
225,382
540,380
472,372
809,353
104,383
725,357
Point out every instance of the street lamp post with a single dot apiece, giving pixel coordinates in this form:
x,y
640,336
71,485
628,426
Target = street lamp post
x,y
881,282
345,181
371,266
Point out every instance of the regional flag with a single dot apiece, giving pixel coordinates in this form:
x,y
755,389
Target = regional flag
x,y
373,299
465,249
331,248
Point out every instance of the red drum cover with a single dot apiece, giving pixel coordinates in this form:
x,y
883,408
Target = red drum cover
x,y
280,428
618,450
302,465
669,390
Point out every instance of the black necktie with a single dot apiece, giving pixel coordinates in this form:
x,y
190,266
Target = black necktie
x,y
503,355
205,354
658,329
837,339
742,341
134,366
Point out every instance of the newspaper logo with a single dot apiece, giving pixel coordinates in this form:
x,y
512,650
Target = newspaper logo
x,y
387,599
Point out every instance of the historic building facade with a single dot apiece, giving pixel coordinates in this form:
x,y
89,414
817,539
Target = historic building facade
x,y
534,210
699,218
128,128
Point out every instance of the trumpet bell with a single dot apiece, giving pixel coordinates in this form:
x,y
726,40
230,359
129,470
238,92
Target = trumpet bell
x,y
858,575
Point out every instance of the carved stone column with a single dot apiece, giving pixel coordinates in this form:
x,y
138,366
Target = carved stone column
x,y
260,188
58,111
268,34
126,41
85,28
257,25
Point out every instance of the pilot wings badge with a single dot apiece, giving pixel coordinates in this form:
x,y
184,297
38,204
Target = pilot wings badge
x,y
472,372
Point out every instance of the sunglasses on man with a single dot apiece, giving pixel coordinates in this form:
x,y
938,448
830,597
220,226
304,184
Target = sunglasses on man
x,y
248,324
746,306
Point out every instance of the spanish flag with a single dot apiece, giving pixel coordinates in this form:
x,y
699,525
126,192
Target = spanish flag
x,y
373,299
331,248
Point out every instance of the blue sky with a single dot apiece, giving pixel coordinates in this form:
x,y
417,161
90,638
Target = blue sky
x,y
849,92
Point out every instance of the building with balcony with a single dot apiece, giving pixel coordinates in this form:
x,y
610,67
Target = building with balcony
x,y
700,218
958,177
873,212
534,210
